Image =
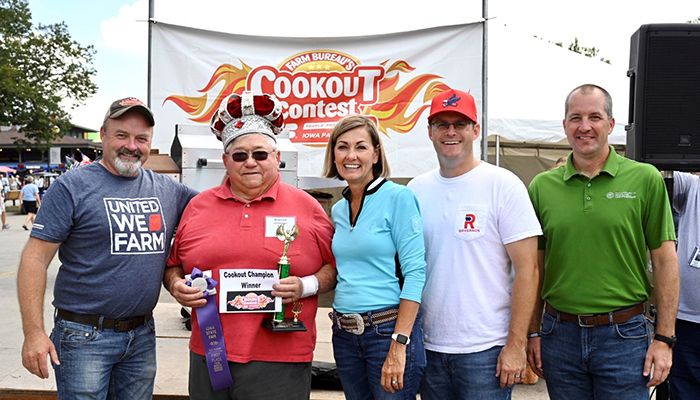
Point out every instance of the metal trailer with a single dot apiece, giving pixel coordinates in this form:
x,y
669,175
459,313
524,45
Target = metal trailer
x,y
197,152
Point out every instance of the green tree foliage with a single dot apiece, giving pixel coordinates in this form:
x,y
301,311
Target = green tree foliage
x,y
42,70
577,48
586,51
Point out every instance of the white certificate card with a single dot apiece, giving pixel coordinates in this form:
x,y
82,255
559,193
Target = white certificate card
x,y
248,291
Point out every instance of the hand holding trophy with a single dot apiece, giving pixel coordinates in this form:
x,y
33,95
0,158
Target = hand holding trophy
x,y
278,322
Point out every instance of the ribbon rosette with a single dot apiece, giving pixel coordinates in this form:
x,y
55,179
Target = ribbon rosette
x,y
211,283
211,332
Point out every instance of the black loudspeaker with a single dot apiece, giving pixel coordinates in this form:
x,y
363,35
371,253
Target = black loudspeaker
x,y
664,113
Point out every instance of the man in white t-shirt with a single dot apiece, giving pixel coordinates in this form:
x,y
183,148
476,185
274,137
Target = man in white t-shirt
x,y
481,249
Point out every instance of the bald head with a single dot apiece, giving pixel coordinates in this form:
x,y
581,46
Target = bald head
x,y
586,89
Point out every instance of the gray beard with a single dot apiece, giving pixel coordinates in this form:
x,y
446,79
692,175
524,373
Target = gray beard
x,y
126,168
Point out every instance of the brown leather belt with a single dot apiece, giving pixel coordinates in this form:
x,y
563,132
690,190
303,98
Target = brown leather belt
x,y
591,320
356,323
118,325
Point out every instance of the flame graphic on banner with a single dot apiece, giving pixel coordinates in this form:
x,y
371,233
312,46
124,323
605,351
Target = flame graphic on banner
x,y
395,107
233,79
393,103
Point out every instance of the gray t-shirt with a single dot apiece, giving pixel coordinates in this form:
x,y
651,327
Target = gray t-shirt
x,y
115,236
686,201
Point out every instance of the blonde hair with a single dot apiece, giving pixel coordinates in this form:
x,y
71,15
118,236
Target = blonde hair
x,y
380,168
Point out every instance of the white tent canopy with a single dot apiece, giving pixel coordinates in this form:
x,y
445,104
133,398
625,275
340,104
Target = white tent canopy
x,y
528,80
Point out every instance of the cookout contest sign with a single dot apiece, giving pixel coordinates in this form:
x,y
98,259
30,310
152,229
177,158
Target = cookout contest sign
x,y
390,78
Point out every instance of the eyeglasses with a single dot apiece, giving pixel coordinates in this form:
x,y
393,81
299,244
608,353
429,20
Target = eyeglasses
x,y
442,126
259,155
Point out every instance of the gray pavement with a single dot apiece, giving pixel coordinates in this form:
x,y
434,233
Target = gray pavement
x,y
172,338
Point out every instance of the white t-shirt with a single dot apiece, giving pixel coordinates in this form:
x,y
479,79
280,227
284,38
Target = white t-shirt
x,y
467,222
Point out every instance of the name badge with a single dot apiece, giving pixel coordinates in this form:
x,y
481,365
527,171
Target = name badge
x,y
695,258
248,291
272,223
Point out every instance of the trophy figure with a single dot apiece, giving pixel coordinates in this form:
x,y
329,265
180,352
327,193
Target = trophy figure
x,y
278,322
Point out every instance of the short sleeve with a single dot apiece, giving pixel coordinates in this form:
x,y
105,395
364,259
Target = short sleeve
x,y
55,218
681,183
658,221
516,218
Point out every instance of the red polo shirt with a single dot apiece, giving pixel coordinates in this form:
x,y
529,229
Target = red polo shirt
x,y
221,231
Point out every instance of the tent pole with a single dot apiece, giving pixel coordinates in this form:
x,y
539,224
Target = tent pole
x,y
484,85
498,150
150,37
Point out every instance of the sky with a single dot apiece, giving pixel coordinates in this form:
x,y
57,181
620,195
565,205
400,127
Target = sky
x,y
118,28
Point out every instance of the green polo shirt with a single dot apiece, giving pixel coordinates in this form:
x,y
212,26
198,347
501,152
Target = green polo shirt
x,y
597,231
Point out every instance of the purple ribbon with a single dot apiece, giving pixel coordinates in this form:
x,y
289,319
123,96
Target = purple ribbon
x,y
212,335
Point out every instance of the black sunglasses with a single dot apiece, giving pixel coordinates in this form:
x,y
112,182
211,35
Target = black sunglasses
x,y
259,155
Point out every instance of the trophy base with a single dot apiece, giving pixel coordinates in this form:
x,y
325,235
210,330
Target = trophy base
x,y
287,325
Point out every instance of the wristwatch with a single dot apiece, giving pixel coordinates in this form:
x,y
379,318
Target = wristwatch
x,y
401,338
670,341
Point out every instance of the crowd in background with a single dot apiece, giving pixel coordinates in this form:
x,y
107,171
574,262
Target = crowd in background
x,y
30,189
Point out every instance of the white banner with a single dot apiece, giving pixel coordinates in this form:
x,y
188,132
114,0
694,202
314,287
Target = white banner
x,y
55,155
390,77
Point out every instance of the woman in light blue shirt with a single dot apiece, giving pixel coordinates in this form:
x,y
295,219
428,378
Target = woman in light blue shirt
x,y
380,256
30,200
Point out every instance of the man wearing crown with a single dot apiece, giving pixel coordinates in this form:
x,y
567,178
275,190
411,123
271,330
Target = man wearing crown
x,y
248,208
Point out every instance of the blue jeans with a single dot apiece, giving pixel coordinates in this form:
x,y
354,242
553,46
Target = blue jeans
x,y
685,373
463,376
102,363
359,360
602,362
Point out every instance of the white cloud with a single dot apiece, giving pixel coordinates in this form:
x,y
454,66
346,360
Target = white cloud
x,y
127,32
604,24
91,113
88,115
121,56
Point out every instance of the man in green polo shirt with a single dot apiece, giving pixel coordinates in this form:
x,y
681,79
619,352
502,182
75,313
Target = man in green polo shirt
x,y
600,213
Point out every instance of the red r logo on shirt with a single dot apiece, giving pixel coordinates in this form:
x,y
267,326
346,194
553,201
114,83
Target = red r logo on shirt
x,y
469,220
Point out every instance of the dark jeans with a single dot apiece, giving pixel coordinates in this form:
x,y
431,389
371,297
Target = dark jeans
x,y
602,362
685,372
470,376
359,359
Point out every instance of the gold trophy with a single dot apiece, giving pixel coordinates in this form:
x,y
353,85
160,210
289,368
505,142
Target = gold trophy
x,y
278,322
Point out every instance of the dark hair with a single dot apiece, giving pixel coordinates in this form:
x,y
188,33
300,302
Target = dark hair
x,y
587,88
380,168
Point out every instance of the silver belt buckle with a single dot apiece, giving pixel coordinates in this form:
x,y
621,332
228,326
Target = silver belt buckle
x,y
359,323
581,324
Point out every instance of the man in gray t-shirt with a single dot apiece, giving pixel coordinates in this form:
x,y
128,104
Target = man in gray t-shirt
x,y
685,373
111,223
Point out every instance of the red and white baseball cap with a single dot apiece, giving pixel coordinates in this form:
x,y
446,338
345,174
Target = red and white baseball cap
x,y
454,100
